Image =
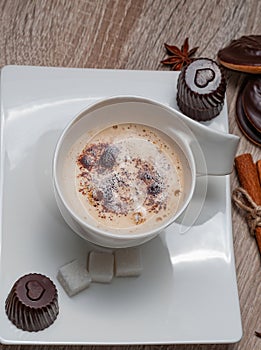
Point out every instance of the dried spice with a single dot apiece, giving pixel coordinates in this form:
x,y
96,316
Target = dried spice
x,y
179,57
258,334
248,196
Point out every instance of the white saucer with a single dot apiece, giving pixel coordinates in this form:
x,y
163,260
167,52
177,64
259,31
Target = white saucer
x,y
187,292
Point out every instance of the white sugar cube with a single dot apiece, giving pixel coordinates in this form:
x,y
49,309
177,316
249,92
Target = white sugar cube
x,y
74,277
101,266
128,262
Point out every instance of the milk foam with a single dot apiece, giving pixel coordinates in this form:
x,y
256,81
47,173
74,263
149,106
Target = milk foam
x,y
126,177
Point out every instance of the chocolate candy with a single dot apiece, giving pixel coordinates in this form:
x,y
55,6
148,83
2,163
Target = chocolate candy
x,y
243,54
247,108
201,89
32,303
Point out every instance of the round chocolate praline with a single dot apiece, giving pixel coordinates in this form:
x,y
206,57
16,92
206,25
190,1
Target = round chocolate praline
x,y
251,100
32,304
243,54
201,89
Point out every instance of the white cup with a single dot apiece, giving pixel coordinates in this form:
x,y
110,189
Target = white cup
x,y
200,150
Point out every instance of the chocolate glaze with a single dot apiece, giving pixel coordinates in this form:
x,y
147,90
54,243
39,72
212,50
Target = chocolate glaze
x,y
32,303
251,101
245,126
244,51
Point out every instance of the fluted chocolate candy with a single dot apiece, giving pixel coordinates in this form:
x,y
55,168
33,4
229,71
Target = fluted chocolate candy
x,y
32,304
243,54
201,89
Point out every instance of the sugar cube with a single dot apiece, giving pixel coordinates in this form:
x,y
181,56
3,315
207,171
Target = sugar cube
x,y
74,277
101,266
128,262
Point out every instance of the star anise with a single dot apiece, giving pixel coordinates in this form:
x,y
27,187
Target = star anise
x,y
258,334
179,57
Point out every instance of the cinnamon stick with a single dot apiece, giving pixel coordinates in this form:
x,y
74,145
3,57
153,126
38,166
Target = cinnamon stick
x,y
258,166
258,237
258,229
248,175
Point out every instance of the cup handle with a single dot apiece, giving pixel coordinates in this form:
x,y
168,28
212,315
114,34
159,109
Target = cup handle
x,y
214,151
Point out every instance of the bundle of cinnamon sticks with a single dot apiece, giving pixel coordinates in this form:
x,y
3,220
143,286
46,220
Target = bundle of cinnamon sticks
x,y
248,197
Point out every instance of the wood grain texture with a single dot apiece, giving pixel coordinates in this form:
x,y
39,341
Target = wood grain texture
x,y
129,34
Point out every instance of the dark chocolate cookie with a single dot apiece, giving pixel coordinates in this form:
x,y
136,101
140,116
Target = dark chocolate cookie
x,y
244,124
243,54
251,100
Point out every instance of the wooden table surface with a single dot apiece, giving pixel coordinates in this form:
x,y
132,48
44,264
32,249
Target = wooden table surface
x,y
129,34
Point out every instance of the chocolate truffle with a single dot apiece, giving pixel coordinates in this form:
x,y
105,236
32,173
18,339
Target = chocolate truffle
x,y
201,89
243,54
32,304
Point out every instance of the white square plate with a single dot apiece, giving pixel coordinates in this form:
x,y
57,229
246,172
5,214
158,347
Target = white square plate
x,y
187,292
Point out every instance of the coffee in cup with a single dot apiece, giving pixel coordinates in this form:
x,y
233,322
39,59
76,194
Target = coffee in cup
x,y
125,178
118,205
